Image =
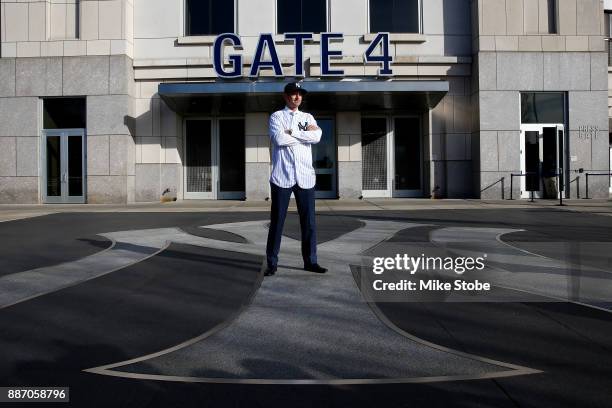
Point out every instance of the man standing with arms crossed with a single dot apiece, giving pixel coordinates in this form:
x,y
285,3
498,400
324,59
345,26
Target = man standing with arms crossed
x,y
292,133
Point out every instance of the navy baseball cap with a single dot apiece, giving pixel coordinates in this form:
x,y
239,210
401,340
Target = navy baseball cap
x,y
295,86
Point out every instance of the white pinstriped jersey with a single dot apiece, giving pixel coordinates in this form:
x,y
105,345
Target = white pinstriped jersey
x,y
292,154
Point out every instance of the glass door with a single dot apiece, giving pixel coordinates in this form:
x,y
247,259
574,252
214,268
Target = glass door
x,y
374,157
531,160
199,159
215,159
52,147
64,161
392,156
407,157
231,159
324,160
542,160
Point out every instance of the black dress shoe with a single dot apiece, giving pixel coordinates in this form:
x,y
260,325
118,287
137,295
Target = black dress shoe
x,y
270,271
316,268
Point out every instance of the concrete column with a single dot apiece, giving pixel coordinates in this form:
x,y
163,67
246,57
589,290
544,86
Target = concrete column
x,y
108,141
348,128
257,168
439,120
427,152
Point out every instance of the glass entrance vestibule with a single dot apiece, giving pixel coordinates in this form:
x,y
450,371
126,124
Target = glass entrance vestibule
x,y
215,159
543,145
63,151
375,137
392,158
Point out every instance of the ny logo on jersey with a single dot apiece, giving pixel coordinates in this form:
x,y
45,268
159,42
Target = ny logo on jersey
x,y
303,127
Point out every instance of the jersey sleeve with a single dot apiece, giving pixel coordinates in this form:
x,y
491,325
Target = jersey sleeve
x,y
277,132
309,136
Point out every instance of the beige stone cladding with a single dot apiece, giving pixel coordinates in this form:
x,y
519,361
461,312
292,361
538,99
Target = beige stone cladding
x,y
257,143
117,52
515,51
56,48
107,84
158,145
56,28
442,51
348,136
449,131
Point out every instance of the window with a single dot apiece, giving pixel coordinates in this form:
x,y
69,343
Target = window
x,y
63,20
551,16
301,16
64,113
608,33
374,153
395,16
542,107
540,17
209,17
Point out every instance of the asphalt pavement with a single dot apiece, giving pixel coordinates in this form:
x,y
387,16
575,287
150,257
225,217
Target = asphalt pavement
x,y
187,318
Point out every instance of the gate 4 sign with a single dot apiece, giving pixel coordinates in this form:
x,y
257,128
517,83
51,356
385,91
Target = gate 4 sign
x,y
377,52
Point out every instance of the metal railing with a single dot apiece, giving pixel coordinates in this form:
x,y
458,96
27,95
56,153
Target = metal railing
x,y
501,180
560,186
513,175
577,180
560,183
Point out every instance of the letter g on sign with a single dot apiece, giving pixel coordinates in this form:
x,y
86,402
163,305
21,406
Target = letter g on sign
x,y
235,59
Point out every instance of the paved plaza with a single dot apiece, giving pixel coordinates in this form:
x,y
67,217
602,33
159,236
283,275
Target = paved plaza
x,y
166,305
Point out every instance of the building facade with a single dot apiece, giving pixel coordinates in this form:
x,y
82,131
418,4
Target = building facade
x,y
121,101
608,36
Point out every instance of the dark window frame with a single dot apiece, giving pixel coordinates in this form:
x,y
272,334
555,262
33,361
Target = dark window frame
x,y
48,120
564,108
77,23
553,16
608,34
419,19
186,25
327,19
552,11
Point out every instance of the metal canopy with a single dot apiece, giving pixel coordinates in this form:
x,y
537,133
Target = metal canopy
x,y
341,95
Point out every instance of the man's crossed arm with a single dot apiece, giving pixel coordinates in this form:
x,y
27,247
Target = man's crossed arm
x,y
288,137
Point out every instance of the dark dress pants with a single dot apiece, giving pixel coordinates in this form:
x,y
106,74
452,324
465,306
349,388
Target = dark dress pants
x,y
305,199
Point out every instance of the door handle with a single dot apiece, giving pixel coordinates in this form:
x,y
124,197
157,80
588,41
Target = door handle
x,y
64,178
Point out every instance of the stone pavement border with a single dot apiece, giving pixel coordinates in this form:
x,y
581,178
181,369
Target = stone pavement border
x,y
10,212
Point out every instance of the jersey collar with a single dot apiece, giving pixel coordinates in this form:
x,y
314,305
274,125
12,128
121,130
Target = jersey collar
x,y
287,110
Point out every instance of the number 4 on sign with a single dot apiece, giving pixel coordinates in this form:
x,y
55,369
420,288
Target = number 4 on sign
x,y
385,58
